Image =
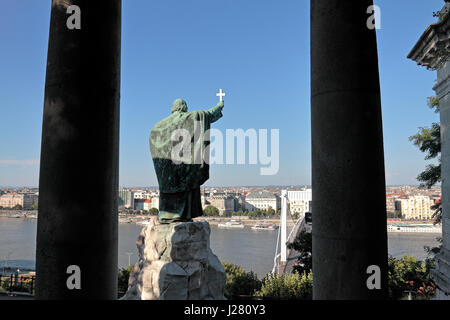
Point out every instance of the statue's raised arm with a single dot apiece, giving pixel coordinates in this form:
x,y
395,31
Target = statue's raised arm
x,y
215,113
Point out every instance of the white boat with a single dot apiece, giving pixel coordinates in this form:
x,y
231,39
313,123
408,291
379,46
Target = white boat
x,y
143,223
264,226
415,228
231,224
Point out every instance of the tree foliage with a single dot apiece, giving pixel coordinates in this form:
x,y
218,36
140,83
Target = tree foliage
x,y
409,274
211,211
286,287
239,213
428,140
123,277
245,284
240,282
394,215
303,244
258,213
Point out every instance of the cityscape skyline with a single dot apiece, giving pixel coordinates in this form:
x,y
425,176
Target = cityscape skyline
x,y
405,202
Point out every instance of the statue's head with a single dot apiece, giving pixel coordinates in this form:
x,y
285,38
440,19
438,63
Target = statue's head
x,y
179,105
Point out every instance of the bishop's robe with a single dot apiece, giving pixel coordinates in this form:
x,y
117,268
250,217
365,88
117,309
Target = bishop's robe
x,y
180,181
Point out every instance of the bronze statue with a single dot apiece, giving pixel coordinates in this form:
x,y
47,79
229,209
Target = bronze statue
x,y
180,153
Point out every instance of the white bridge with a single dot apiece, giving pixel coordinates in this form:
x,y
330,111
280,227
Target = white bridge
x,y
285,258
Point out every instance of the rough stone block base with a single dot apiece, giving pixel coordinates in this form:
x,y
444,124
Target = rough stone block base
x,y
176,263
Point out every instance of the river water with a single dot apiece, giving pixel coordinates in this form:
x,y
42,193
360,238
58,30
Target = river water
x,y
253,250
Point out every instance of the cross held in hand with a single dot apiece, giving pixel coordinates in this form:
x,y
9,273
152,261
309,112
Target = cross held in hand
x,y
221,94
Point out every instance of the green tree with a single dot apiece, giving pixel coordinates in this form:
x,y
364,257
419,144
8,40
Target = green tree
x,y
4,283
303,244
394,215
17,207
404,274
289,286
34,206
154,211
239,213
211,211
428,140
295,215
123,277
252,214
409,274
240,282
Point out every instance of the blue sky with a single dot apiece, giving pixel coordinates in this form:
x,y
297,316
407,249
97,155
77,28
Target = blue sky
x,y
256,50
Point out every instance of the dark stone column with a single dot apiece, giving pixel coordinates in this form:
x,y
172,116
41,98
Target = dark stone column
x,y
349,216
78,184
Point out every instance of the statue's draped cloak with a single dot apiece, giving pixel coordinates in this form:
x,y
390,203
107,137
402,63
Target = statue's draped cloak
x,y
179,182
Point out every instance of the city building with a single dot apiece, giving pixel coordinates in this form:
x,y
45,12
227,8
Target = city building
x,y
392,205
300,201
143,204
239,203
415,207
225,203
155,202
126,198
141,194
24,200
262,200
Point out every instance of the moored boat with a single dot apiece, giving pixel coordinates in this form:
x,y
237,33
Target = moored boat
x,y
231,224
264,226
415,228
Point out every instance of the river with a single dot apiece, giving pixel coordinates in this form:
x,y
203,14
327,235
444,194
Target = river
x,y
253,250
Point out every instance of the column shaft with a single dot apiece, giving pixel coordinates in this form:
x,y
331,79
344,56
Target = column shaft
x,y
348,179
78,183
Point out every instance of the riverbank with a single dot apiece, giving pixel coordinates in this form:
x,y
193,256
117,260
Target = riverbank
x,y
135,218
214,221
139,218
18,213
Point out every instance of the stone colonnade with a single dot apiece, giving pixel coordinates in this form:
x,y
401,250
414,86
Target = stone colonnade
x,y
80,149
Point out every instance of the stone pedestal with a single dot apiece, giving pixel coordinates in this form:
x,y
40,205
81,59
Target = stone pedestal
x,y
176,263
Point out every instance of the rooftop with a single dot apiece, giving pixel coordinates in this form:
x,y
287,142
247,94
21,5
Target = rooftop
x,y
261,195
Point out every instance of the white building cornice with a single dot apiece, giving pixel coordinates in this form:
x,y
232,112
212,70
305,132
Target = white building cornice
x,y
434,43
